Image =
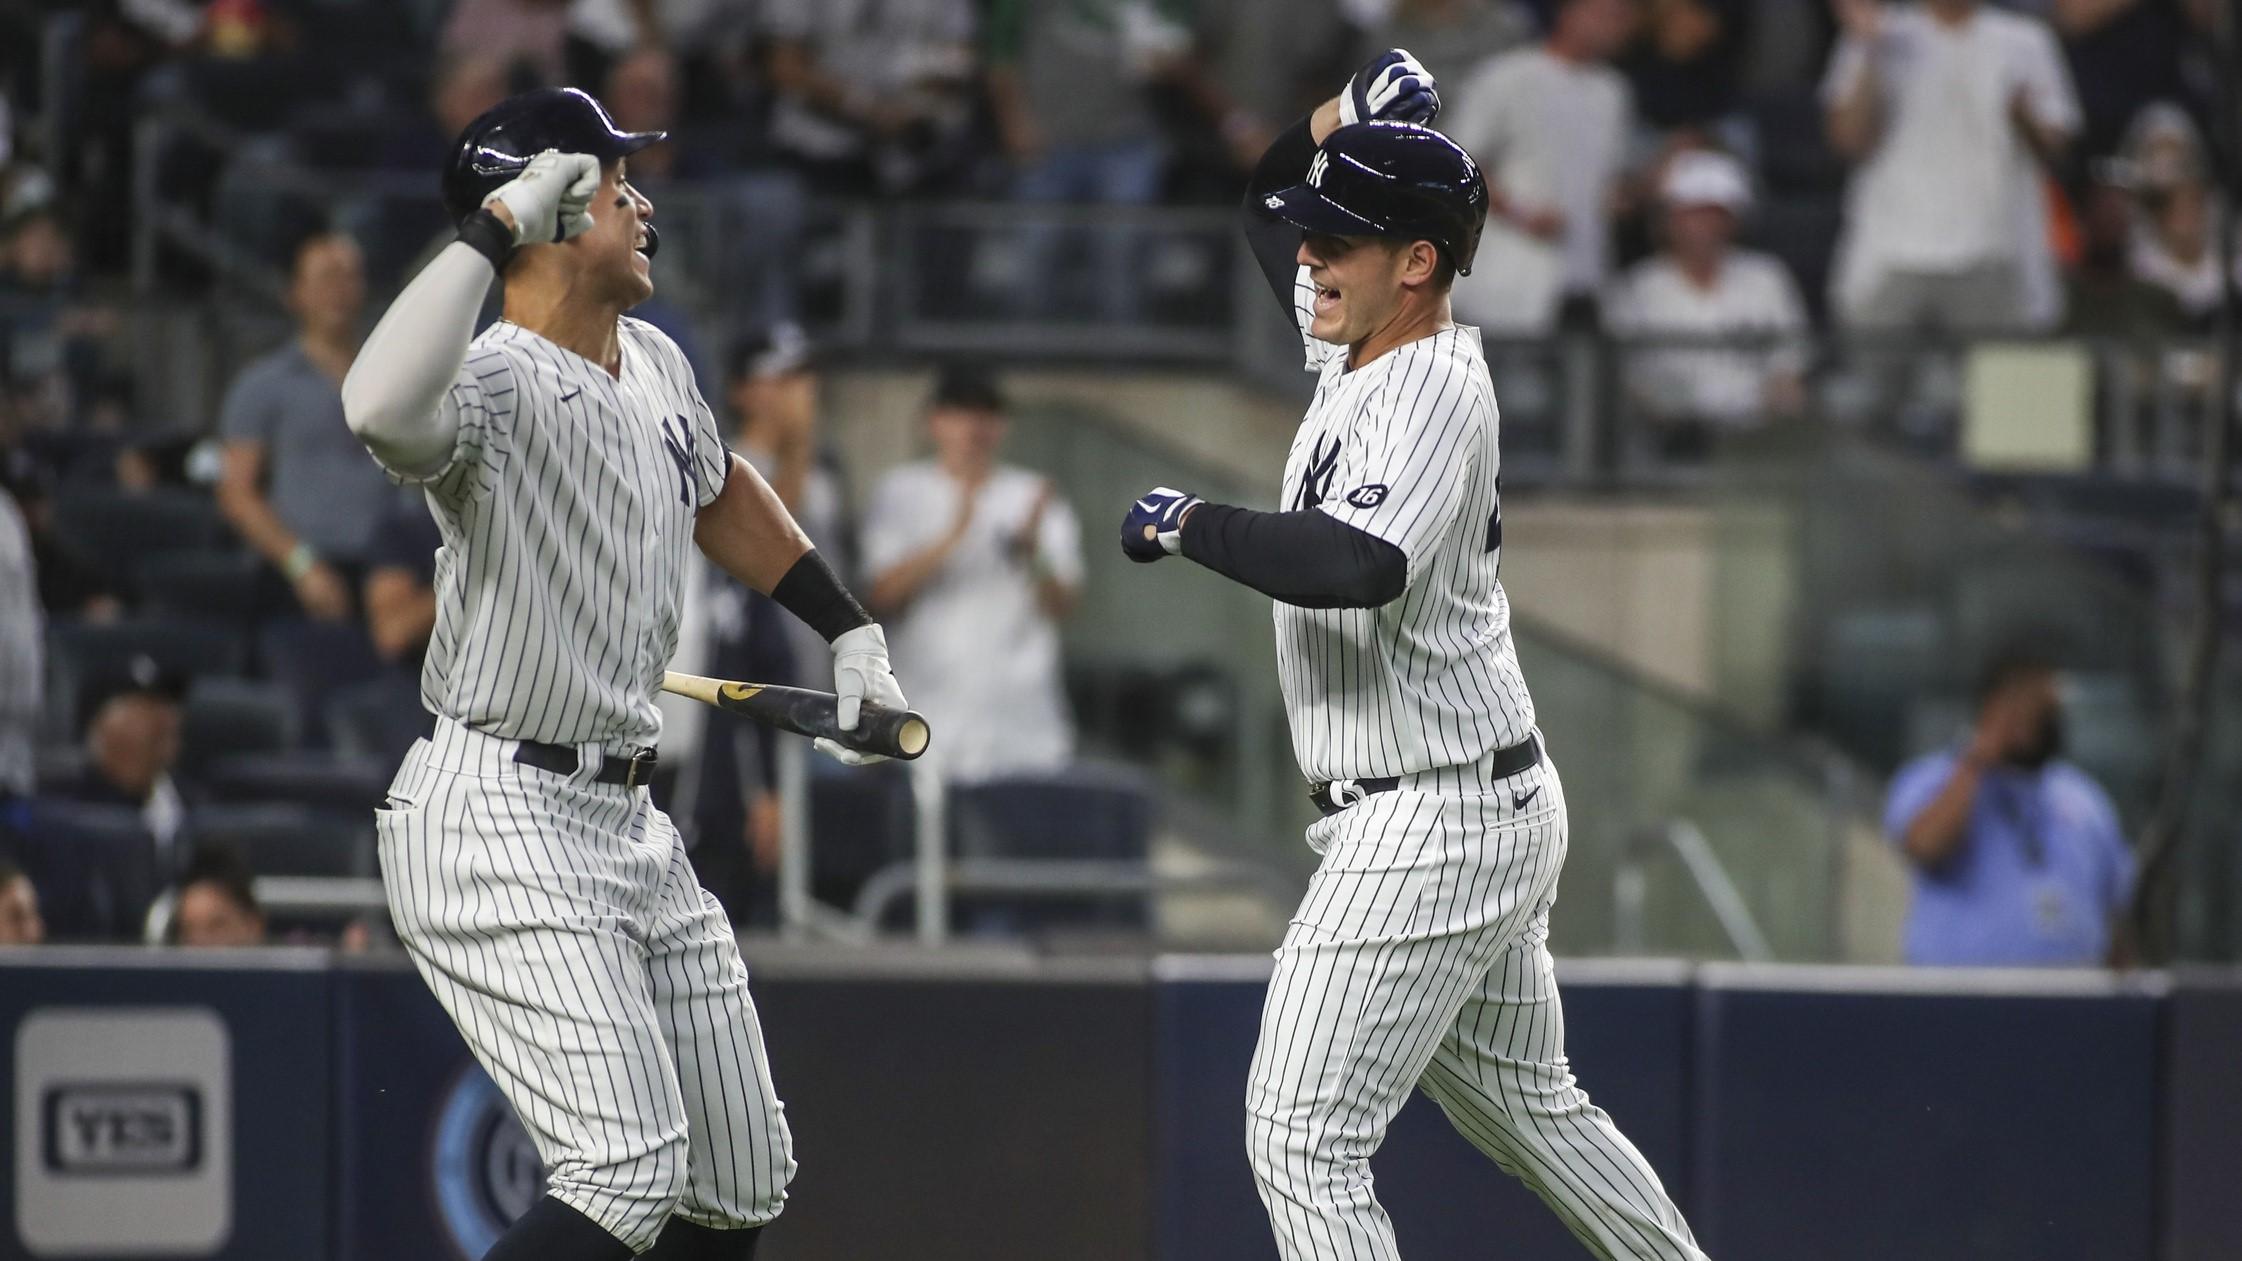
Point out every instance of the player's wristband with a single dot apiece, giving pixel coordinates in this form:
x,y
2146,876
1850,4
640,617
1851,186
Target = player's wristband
x,y
813,592
488,236
298,561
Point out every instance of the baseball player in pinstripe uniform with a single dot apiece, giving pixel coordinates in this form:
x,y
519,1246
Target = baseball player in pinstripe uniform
x,y
569,463
1419,957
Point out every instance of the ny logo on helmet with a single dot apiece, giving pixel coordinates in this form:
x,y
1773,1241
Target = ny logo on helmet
x,y
1317,168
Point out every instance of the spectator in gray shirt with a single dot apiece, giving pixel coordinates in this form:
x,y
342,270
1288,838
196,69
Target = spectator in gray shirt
x,y
295,484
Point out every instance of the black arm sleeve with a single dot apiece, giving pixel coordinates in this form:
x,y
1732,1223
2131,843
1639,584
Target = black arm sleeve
x,y
1275,243
1310,559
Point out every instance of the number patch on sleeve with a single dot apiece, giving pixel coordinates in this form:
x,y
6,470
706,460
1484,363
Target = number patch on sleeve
x,y
1367,496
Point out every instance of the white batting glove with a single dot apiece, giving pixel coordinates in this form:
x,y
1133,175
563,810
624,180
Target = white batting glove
x,y
861,674
1393,85
551,200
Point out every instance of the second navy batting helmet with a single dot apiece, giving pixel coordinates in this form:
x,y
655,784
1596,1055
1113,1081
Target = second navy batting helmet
x,y
497,146
1390,179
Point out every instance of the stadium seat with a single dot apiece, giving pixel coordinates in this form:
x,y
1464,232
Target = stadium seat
x,y
2007,600
94,866
81,654
2108,731
111,531
313,661
315,778
1081,812
218,585
288,839
378,719
1872,666
860,821
230,717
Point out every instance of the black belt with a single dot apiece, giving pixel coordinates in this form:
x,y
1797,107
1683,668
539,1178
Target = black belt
x,y
1335,795
561,759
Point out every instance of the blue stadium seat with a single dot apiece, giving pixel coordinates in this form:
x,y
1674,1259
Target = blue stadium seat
x,y
1872,666
860,821
94,866
289,839
111,530
231,717
314,661
1080,812
377,719
218,585
317,778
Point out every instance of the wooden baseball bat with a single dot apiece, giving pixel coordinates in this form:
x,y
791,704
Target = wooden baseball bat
x,y
897,733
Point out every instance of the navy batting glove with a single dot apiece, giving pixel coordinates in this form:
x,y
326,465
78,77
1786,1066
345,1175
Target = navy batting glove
x,y
1154,526
1394,86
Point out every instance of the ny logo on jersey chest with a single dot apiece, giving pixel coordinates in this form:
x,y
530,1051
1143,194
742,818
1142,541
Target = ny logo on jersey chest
x,y
1315,480
678,440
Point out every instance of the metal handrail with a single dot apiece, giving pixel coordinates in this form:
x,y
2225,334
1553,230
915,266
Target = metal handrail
x,y
931,876
1631,890
1056,878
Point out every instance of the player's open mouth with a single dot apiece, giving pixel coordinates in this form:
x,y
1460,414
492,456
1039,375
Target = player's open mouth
x,y
1326,298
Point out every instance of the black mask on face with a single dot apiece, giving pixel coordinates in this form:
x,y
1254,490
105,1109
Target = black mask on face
x,y
2046,743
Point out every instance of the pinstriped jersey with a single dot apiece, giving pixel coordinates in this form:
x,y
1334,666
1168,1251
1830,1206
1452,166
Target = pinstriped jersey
x,y
1403,448
567,512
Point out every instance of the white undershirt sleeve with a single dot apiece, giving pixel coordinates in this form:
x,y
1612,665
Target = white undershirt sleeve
x,y
395,395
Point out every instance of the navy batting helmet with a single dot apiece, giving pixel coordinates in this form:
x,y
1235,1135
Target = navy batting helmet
x,y
495,147
1390,179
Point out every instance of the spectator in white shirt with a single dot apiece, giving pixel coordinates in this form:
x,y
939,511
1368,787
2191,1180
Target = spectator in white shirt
x,y
1950,111
1701,287
972,564
1549,125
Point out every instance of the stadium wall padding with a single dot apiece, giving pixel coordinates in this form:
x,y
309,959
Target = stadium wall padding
x,y
1027,1111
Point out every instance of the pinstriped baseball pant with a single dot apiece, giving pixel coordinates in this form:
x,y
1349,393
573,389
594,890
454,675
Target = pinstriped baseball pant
x,y
1419,958
558,921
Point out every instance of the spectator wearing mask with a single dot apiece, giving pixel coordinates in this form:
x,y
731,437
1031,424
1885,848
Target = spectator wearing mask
x,y
218,903
873,96
972,564
1951,112
2017,856
1549,125
2174,245
294,483
131,749
1700,286
2103,296
20,924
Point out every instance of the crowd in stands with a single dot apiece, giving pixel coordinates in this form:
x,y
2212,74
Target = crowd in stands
x,y
234,694
1680,171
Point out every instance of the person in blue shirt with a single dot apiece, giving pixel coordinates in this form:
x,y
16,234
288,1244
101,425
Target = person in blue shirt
x,y
2017,856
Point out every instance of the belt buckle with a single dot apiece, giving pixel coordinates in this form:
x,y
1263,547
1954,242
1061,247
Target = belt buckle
x,y
641,769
